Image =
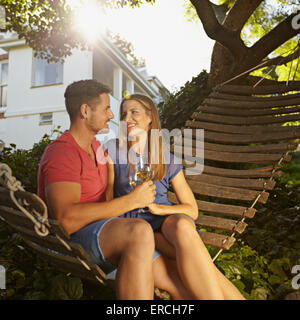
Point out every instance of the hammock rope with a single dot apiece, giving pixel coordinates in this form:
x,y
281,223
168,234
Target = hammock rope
x,y
40,221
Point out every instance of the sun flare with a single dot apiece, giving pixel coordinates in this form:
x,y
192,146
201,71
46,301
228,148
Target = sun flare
x,y
89,19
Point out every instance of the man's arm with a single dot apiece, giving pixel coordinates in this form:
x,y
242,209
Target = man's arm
x,y
63,202
110,180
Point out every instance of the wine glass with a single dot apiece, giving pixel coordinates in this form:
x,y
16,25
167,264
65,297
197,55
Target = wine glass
x,y
139,173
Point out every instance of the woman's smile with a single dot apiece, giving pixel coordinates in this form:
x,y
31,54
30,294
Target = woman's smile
x,y
130,125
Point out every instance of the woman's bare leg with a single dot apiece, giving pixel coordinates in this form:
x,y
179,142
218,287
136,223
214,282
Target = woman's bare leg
x,y
129,244
195,266
166,277
230,291
164,246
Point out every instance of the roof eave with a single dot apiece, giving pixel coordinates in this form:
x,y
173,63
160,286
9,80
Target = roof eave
x,y
125,64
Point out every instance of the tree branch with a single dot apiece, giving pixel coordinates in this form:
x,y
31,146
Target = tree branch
x,y
253,80
273,39
239,14
283,60
220,11
228,38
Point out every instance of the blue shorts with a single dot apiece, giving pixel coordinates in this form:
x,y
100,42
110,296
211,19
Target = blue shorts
x,y
88,237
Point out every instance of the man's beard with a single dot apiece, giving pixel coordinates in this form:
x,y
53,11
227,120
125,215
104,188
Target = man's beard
x,y
95,128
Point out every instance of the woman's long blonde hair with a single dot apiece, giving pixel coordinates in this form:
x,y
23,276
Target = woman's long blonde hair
x,y
159,168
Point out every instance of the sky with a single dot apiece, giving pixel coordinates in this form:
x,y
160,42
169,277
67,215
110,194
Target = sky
x,y
175,50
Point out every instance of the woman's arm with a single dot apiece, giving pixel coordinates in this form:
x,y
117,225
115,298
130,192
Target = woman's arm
x,y
110,179
187,202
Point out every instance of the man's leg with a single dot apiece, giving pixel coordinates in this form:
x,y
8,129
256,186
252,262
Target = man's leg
x,y
129,244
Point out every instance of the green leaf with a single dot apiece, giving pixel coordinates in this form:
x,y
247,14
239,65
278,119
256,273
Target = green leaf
x,y
276,267
19,277
35,295
275,280
66,288
259,294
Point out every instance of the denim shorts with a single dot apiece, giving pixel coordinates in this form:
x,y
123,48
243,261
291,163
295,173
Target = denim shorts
x,y
88,237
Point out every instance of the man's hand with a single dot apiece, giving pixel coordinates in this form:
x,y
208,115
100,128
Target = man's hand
x,y
143,194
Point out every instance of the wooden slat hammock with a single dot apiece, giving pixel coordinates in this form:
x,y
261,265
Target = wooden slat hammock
x,y
242,127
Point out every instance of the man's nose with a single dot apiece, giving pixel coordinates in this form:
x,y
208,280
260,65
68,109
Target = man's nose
x,y
111,115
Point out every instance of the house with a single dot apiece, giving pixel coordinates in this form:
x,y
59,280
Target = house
x,y
32,90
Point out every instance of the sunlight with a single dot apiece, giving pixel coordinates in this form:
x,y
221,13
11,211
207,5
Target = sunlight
x,y
162,44
90,20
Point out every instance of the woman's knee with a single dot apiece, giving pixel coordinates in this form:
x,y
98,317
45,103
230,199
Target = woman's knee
x,y
180,227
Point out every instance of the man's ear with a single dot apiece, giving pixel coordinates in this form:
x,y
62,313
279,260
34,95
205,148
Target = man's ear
x,y
83,111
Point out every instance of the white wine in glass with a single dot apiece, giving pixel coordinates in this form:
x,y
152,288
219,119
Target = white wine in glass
x,y
139,173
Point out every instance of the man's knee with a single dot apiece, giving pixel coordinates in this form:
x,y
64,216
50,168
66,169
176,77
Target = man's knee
x,y
121,235
140,234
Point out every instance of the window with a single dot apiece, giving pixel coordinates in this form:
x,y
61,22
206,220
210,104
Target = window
x,y
3,84
46,73
46,118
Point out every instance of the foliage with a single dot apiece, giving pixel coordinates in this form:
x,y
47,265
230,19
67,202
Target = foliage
x,y
48,26
28,276
25,163
262,20
257,276
180,106
191,14
260,263
42,24
268,14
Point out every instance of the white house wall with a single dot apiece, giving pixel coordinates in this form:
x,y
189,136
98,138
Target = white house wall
x,y
22,98
25,103
25,130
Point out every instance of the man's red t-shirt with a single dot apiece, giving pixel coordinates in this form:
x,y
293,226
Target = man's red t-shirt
x,y
65,160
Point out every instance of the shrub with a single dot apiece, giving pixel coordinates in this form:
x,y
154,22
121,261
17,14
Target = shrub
x,y
180,106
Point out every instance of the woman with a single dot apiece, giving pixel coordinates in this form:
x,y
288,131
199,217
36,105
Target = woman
x,y
176,236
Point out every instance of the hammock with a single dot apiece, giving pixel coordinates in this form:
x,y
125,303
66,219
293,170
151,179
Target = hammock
x,y
243,127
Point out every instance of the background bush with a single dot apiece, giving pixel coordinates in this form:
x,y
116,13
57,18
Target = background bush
x,y
180,106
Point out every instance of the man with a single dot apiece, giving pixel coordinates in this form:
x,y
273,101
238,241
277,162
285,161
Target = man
x,y
72,180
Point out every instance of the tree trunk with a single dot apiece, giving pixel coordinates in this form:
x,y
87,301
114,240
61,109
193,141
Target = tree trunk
x,y
222,64
230,56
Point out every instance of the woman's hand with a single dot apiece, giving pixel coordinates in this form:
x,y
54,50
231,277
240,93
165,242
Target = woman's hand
x,y
157,209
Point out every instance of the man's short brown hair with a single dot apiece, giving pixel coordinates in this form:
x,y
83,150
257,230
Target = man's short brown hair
x,y
83,91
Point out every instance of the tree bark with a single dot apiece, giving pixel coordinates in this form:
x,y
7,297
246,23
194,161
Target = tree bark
x,y
230,55
227,37
223,63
